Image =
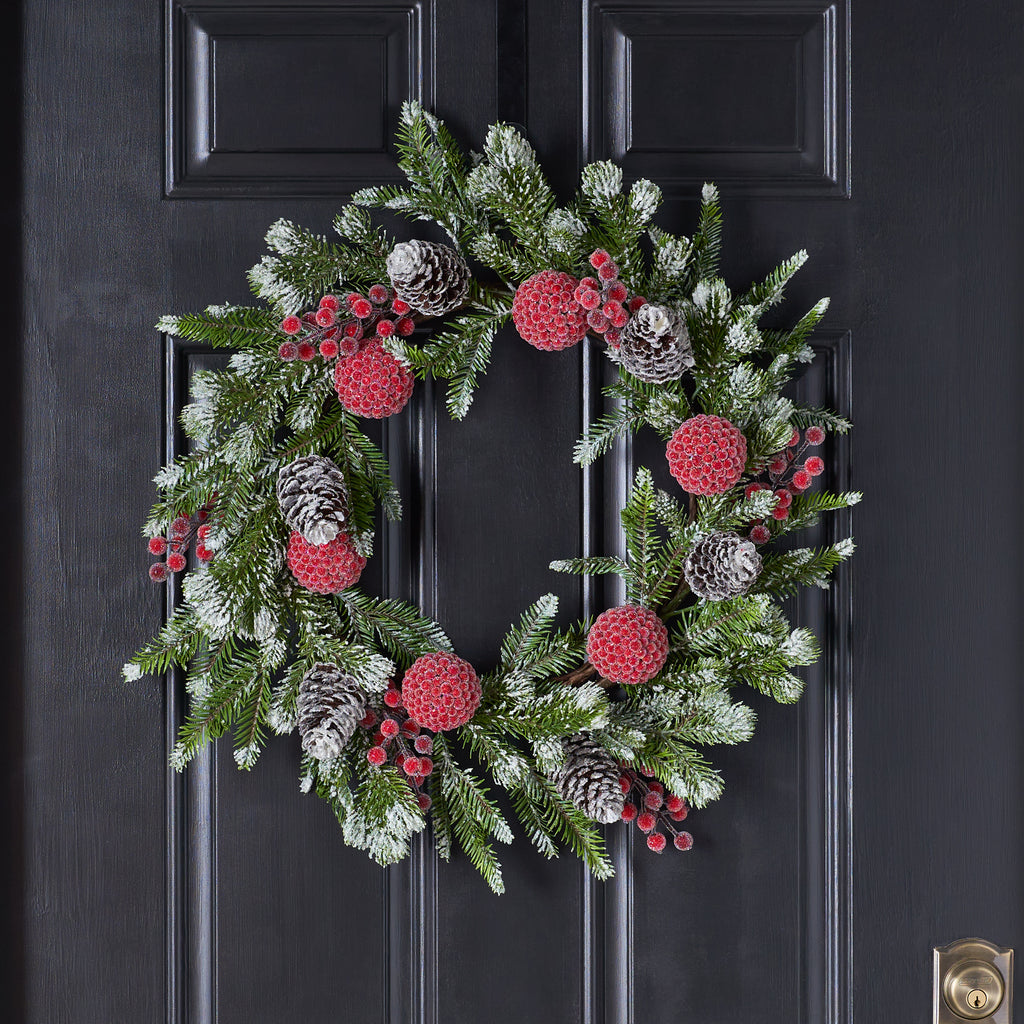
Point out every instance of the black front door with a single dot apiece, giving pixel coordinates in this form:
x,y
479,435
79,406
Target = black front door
x,y
876,819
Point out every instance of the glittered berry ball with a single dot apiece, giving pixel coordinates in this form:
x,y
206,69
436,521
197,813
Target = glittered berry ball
x,y
628,644
372,383
707,454
325,568
546,313
441,691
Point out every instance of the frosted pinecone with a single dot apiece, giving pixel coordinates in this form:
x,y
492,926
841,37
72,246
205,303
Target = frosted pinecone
x,y
721,565
330,706
432,278
589,778
655,345
311,493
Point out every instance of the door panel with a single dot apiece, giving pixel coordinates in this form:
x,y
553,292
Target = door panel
x,y
162,140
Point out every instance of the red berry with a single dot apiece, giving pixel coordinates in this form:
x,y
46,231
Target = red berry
x,y
330,302
620,319
309,318
426,766
389,728
372,382
324,568
325,316
612,336
400,306
653,801
625,784
597,321
629,812
392,697
598,258
180,526
645,771
157,545
608,271
546,313
616,292
361,308
441,691
815,466
683,841
636,302
778,465
175,561
369,720
628,644
589,298
409,727
760,534
794,439
328,349
815,435
656,842
674,803
204,531
424,801
801,480
646,822
306,351
353,329
423,744
612,310
376,756
410,765
405,326
707,454
385,328
291,324
158,572
378,294
751,489
785,497
288,351
780,513
203,553
656,786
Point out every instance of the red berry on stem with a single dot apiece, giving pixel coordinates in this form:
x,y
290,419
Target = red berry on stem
x,y
158,572
157,545
781,512
674,803
328,349
625,783
306,351
794,439
815,465
629,812
616,292
378,294
325,316
389,727
180,526
405,326
646,822
785,497
598,258
203,553
426,766
369,720
801,480
424,801
361,308
385,328
291,324
778,465
760,534
815,435
392,697
656,842
376,756
636,302
288,351
400,306
330,302
653,801
683,841
175,561
423,744
204,531
608,271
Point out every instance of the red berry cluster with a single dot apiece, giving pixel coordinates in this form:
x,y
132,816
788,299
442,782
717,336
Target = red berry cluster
x,y
707,454
606,299
441,691
650,806
628,644
183,531
325,568
787,476
401,741
333,331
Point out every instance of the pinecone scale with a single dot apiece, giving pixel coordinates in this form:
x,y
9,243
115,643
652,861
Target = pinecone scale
x,y
330,706
589,779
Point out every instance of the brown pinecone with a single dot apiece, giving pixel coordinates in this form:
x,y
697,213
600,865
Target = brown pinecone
x,y
311,493
432,278
721,565
329,706
655,345
589,778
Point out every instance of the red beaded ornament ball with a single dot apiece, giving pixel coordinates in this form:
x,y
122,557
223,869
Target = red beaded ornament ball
x,y
628,644
441,691
325,568
373,383
546,313
707,454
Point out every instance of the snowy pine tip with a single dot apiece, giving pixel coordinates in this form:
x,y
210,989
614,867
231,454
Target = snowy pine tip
x,y
131,672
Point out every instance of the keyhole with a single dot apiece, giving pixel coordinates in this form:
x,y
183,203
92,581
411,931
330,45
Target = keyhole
x,y
977,999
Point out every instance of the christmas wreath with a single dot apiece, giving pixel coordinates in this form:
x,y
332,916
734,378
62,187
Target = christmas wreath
x,y
276,502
